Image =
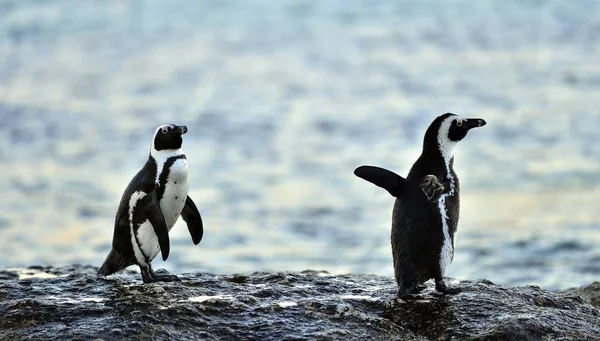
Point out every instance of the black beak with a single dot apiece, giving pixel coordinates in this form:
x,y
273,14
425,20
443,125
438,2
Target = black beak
x,y
181,129
474,123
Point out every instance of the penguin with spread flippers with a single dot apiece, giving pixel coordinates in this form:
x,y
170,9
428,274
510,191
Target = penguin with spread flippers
x,y
425,215
151,204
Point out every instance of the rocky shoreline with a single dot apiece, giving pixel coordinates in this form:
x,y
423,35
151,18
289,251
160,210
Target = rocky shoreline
x,y
47,303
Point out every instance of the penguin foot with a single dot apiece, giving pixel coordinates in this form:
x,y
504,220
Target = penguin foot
x,y
410,293
447,292
432,187
149,276
419,288
452,291
165,278
440,285
407,296
402,293
442,288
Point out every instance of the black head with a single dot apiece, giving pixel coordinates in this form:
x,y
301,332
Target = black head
x,y
168,136
461,126
446,130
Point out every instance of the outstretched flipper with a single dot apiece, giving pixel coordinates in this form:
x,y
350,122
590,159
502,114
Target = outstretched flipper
x,y
388,180
192,218
432,187
156,218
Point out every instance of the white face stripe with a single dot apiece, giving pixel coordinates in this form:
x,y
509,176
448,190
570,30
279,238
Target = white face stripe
x,y
135,197
447,150
164,128
161,156
446,146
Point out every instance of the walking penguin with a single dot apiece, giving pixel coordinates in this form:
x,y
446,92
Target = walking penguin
x,y
151,204
425,215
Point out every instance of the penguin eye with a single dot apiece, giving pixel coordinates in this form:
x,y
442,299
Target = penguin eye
x,y
165,130
459,123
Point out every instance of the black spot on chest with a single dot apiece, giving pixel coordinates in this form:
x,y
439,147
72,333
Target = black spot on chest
x,y
164,175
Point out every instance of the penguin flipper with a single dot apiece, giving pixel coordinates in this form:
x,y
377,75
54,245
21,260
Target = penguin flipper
x,y
388,180
156,218
432,187
192,218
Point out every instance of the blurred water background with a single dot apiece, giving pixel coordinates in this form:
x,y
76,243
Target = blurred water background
x,y
283,99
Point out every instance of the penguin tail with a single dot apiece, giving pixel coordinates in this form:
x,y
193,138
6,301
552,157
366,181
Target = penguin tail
x,y
112,264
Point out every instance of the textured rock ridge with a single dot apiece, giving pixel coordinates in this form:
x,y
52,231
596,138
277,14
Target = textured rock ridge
x,y
72,303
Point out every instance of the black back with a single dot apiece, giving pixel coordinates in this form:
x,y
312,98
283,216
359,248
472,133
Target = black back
x,y
430,191
142,181
417,235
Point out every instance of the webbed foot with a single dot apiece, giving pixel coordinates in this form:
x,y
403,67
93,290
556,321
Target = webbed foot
x,y
165,278
419,288
442,288
149,276
440,285
410,291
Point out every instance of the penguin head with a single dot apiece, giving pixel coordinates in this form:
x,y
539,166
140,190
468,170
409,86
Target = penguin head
x,y
168,136
446,130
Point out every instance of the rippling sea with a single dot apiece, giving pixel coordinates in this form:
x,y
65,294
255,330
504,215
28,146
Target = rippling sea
x,y
283,99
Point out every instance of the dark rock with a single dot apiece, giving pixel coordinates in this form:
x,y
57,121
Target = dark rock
x,y
72,303
590,293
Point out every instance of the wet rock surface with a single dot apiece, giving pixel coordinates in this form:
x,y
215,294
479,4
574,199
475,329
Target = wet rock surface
x,y
72,303
590,293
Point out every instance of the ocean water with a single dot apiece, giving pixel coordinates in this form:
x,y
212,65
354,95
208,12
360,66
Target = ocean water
x,y
283,99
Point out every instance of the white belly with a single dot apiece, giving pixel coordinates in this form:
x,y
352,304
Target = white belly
x,y
144,240
175,194
145,243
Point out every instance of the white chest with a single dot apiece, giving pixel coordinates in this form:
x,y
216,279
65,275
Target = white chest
x,y
447,252
175,192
